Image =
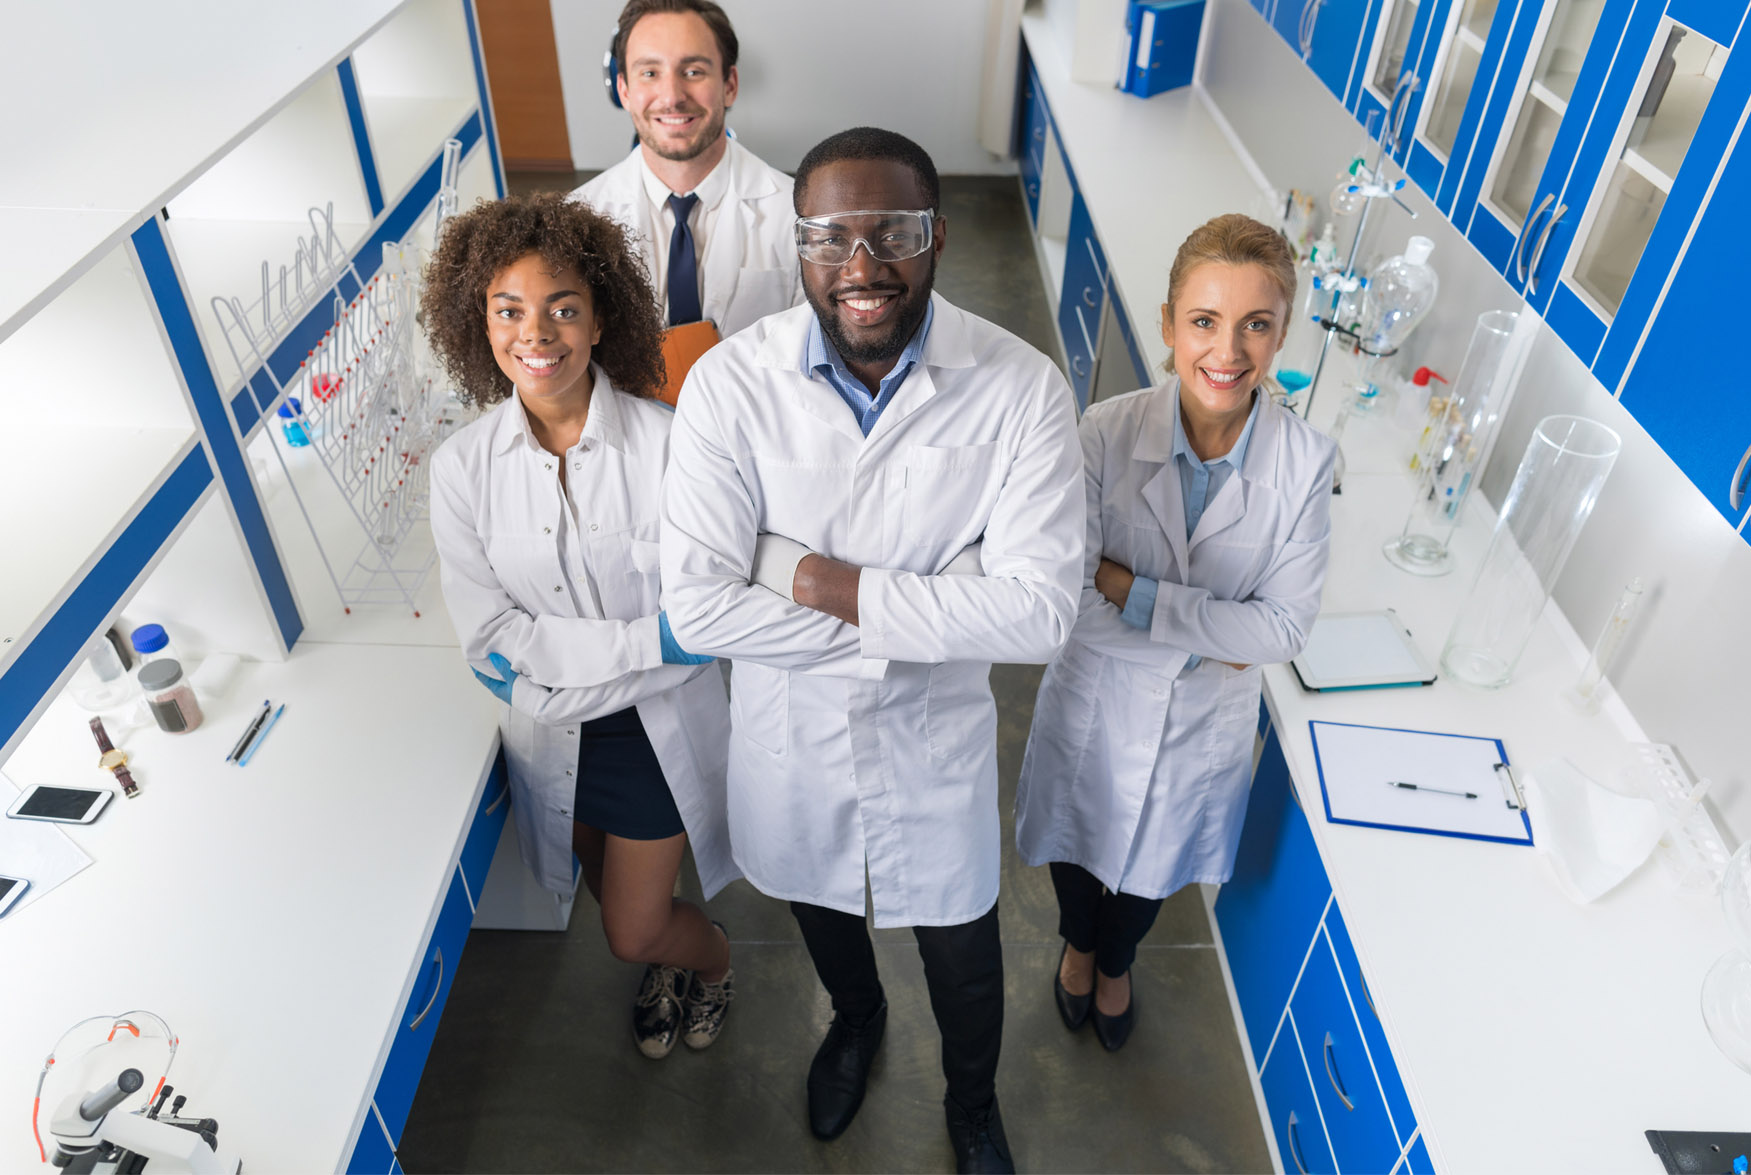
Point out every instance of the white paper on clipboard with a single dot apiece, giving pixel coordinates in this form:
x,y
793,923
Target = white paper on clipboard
x,y
36,851
1358,765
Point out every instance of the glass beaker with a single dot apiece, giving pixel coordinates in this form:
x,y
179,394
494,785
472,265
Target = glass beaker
x,y
1452,447
1559,479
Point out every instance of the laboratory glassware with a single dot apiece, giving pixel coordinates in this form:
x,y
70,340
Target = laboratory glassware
x,y
1584,694
101,682
1454,443
1400,293
1726,991
292,424
1559,479
169,697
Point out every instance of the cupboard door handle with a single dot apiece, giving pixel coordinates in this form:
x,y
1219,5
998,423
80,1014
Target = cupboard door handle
x,y
1033,190
1088,298
503,796
1295,1144
1368,996
1040,133
1331,1075
1736,491
436,988
1077,365
1543,240
1526,231
1309,21
1401,105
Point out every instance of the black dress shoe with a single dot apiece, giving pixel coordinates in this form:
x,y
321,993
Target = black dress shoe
x,y
978,1139
1073,1008
840,1071
1114,1031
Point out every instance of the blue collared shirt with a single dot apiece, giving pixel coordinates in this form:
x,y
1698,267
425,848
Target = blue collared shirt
x,y
1199,482
823,358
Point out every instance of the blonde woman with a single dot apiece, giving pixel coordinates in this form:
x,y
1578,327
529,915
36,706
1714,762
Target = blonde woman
x,y
1208,522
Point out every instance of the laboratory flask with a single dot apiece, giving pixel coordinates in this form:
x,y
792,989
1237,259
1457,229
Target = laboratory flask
x,y
1457,435
1565,466
1399,295
1726,991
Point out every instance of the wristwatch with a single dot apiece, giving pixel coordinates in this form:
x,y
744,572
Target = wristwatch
x,y
114,760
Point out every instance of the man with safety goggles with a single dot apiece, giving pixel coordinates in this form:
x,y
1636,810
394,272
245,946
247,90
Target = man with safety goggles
x,y
829,467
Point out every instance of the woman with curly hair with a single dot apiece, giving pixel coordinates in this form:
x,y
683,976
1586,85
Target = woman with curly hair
x,y
545,512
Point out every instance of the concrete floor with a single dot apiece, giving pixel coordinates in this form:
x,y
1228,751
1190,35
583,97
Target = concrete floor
x,y
533,1067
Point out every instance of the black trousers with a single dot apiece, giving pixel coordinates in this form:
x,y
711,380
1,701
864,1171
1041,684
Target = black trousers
x,y
1092,919
963,968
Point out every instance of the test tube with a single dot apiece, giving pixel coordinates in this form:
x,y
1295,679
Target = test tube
x,y
1584,694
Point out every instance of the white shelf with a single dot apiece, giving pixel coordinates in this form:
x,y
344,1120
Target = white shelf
x,y
44,248
1666,138
416,83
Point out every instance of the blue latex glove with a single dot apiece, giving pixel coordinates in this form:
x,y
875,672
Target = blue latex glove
x,y
674,654
501,689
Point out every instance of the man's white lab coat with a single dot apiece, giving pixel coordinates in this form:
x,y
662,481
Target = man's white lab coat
x,y
873,746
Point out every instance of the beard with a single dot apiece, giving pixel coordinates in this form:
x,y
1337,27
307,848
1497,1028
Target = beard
x,y
711,132
913,304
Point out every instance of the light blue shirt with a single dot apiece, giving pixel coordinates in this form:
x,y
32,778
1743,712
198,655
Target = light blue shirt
x,y
1199,482
823,358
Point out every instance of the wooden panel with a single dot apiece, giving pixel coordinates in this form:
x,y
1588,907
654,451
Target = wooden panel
x,y
522,70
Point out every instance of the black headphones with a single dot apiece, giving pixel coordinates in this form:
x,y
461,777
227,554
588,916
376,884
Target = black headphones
x,y
611,70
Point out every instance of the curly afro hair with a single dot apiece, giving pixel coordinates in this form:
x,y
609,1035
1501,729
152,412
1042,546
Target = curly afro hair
x,y
481,243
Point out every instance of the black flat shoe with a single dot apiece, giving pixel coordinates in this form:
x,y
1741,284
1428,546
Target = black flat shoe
x,y
1114,1031
1073,1009
840,1073
978,1139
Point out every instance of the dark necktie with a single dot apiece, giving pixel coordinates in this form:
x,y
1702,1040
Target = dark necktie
x,y
683,265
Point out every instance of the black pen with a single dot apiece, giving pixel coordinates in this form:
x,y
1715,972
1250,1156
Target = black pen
x,y
250,733
1467,795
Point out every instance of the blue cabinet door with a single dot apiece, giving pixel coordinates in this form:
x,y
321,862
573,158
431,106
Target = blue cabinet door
x,y
1351,1104
1082,299
1704,424
1293,1108
425,1004
1392,98
1269,910
1035,122
372,1154
1398,1103
483,834
1337,48
1289,18
1446,110
1416,1159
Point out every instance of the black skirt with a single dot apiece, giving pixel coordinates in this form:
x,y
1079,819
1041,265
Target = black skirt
x,y
621,789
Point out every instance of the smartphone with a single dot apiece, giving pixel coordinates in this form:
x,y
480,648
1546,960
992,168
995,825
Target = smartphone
x,y
63,805
11,889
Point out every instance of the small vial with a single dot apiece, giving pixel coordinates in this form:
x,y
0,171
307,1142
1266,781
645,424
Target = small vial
x,y
169,697
292,423
1584,694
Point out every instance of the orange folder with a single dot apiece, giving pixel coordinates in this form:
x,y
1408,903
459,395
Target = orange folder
x,y
682,347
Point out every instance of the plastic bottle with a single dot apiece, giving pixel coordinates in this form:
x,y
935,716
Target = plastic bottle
x,y
1401,291
151,643
1414,398
292,423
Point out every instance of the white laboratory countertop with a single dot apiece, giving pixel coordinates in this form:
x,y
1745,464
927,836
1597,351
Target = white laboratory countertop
x,y
1532,1034
97,139
272,914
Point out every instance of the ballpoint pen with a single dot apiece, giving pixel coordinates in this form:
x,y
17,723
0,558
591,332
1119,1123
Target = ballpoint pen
x,y
249,732
1466,795
261,738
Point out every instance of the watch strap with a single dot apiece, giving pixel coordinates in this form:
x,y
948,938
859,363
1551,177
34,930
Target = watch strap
x,y
130,789
101,735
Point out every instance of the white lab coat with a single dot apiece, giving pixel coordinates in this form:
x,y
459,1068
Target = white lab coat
x,y
873,746
1134,770
749,264
498,516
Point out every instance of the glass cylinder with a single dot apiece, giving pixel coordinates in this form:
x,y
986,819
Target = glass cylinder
x,y
1559,479
1459,428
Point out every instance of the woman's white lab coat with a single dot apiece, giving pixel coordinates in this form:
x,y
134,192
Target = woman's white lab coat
x,y
498,518
749,265
871,751
1134,770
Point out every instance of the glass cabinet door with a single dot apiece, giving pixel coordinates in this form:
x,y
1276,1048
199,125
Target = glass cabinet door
x,y
1394,48
1542,105
1685,67
1458,73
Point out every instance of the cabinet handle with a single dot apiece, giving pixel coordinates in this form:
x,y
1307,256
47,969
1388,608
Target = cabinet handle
x,y
503,796
1088,298
1407,85
1368,996
1040,133
1309,18
1295,1144
436,988
1526,231
1543,240
1033,190
1331,1075
1736,491
1078,366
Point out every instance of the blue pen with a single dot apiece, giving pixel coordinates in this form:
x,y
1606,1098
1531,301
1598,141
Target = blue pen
x,y
249,733
261,738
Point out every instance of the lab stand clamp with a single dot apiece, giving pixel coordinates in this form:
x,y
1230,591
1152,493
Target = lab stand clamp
x,y
91,1135
368,402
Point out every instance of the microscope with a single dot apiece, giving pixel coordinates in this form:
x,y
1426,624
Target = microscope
x,y
92,1137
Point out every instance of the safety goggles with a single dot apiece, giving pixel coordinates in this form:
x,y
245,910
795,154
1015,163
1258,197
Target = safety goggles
x,y
892,234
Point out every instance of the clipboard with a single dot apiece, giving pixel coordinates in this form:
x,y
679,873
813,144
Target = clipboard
x,y
1360,650
1361,766
682,347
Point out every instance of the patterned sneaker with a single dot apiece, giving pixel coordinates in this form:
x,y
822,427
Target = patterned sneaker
x,y
706,1005
656,1013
